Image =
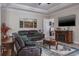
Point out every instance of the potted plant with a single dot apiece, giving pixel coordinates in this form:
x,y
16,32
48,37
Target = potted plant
x,y
4,31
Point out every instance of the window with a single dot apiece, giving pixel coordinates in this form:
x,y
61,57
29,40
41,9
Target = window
x,y
21,24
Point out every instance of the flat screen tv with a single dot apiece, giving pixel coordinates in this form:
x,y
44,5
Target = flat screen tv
x,y
67,20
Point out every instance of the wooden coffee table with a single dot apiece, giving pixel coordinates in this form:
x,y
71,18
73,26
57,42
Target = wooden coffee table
x,y
50,43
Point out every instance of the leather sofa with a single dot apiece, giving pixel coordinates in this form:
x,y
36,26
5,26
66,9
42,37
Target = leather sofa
x,y
33,35
23,50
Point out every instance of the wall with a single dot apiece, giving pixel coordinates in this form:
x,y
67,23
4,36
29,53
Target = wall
x,y
0,26
66,12
14,16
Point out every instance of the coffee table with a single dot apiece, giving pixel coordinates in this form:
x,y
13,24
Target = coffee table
x,y
50,43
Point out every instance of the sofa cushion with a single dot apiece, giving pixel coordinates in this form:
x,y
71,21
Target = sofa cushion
x,y
24,38
30,43
30,51
27,41
33,35
23,32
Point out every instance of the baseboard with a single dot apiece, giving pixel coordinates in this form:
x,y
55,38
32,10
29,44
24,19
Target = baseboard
x,y
76,42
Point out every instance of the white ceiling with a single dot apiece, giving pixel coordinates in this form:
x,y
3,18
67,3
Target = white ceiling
x,y
44,8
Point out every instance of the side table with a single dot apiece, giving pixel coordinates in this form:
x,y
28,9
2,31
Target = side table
x,y
7,47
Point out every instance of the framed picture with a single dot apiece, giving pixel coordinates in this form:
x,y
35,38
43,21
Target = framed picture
x,y
28,24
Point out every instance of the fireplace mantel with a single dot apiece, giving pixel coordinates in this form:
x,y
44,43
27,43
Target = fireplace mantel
x,y
64,36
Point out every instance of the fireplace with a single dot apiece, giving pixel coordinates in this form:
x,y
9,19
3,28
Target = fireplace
x,y
61,37
64,36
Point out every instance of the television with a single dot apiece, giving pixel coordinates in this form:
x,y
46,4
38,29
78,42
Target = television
x,y
67,20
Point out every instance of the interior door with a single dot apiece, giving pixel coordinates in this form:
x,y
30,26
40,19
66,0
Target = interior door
x,y
46,27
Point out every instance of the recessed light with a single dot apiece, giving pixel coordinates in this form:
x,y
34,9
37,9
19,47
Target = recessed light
x,y
44,3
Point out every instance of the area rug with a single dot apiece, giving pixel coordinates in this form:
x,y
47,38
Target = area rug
x,y
62,50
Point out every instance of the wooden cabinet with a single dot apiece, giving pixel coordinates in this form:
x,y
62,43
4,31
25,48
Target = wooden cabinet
x,y
64,36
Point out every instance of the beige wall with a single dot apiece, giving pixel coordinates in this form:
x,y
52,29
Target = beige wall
x,y
0,25
13,17
66,12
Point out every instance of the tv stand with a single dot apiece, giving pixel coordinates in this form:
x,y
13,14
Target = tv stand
x,y
64,36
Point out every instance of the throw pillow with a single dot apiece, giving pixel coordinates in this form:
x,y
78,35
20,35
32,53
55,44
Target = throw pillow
x,y
24,38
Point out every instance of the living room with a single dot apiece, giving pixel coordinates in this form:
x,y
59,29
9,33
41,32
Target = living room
x,y
25,18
